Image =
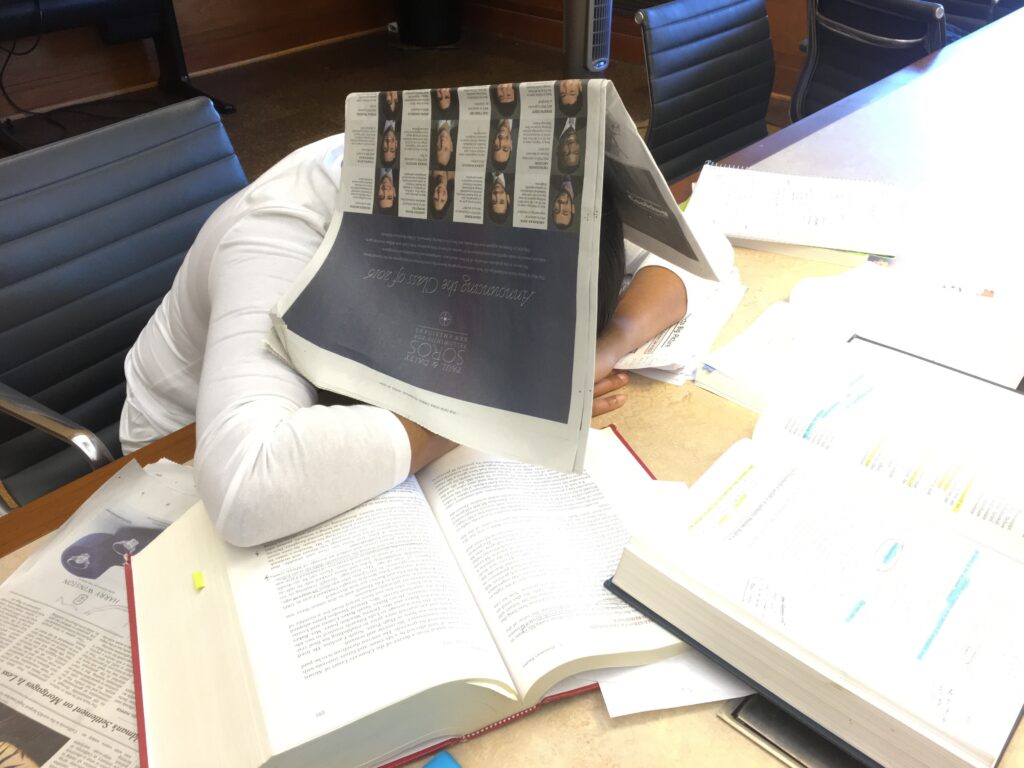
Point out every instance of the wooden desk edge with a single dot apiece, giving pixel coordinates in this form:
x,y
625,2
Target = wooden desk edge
x,y
47,513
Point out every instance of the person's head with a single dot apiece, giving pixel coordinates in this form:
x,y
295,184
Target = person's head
x,y
444,147
501,150
612,260
389,143
391,101
387,195
563,206
440,195
568,151
501,199
505,98
443,96
505,93
568,93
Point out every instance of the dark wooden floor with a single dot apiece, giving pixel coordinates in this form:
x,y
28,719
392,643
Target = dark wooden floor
x,y
291,100
294,99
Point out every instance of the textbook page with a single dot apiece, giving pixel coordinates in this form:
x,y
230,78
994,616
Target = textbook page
x,y
945,435
851,575
536,547
66,694
369,602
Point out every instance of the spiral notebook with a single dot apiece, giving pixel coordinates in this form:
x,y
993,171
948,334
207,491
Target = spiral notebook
x,y
844,221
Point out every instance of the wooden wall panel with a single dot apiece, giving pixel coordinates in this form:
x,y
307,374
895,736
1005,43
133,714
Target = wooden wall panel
x,y
75,65
540,21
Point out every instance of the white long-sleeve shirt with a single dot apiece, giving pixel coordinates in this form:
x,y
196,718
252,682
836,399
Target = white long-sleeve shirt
x,y
269,461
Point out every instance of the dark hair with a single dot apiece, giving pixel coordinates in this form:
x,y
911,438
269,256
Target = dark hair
x,y
562,141
611,260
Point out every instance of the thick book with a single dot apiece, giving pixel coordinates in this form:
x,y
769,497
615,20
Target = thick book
x,y
459,600
840,221
464,249
859,560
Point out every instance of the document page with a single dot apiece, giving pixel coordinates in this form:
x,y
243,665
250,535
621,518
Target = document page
x,y
67,699
537,546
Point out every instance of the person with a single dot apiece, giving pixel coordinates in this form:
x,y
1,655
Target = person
x,y
387,194
389,143
504,99
501,149
391,104
440,203
444,146
500,199
568,151
570,96
563,206
270,459
445,103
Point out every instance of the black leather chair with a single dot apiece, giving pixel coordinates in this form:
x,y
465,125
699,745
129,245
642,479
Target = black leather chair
x,y
92,231
710,70
854,43
965,16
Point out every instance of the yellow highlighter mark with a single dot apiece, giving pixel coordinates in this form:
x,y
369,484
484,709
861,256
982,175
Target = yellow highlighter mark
x,y
717,501
871,456
198,581
960,501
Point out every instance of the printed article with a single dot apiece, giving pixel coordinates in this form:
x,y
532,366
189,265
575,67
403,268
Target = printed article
x,y
66,689
457,283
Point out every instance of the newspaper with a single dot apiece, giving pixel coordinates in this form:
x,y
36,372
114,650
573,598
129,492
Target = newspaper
x,y
457,283
67,698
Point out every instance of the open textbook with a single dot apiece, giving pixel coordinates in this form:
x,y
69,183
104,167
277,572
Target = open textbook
x,y
457,283
459,599
859,558
66,690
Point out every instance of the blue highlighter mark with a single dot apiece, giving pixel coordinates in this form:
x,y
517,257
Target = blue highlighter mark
x,y
855,611
951,598
891,554
818,417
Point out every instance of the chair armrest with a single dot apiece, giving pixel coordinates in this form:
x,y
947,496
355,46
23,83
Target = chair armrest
x,y
24,408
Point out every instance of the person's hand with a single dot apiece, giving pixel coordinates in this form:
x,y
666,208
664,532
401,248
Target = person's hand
x,y
605,396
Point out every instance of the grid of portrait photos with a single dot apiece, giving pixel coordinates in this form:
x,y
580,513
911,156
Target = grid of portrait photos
x,y
567,157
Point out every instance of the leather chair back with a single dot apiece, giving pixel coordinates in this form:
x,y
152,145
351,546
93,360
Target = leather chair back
x,y
92,232
854,43
710,69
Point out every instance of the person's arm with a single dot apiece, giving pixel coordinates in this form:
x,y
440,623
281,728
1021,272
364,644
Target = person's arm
x,y
654,300
424,445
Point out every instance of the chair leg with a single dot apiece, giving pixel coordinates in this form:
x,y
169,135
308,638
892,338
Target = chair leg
x,y
174,77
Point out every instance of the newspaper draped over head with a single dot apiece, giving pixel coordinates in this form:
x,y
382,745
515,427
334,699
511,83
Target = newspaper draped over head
x,y
476,259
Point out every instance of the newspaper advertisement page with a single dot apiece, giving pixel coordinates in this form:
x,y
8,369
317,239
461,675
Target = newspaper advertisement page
x,y
457,284
66,688
650,216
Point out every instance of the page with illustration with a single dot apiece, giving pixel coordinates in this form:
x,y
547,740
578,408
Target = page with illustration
x,y
536,546
66,694
946,435
850,574
372,605
457,283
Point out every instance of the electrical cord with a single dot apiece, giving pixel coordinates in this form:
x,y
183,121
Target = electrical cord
x,y
8,124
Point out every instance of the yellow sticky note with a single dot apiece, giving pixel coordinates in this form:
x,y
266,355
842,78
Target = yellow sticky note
x,y
198,581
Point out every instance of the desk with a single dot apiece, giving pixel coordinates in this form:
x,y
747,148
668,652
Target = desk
x,y
895,129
